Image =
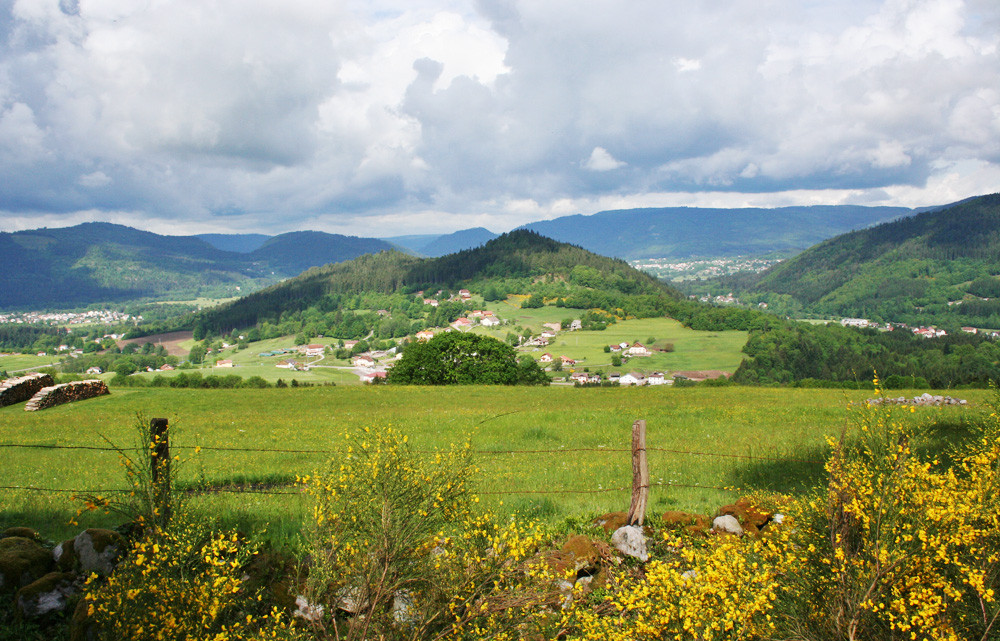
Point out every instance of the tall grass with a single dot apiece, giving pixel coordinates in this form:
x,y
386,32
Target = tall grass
x,y
786,428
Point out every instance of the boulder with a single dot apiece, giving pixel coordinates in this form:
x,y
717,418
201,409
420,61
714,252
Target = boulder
x,y
23,532
65,556
98,550
22,562
692,524
52,593
728,524
611,521
631,541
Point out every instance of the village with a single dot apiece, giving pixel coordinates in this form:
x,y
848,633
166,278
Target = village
x,y
372,366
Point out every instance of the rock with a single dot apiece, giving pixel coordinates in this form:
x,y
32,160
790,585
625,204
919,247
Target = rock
x,y
307,611
98,550
23,532
65,556
611,521
583,553
727,523
50,594
693,524
631,541
81,624
22,562
402,607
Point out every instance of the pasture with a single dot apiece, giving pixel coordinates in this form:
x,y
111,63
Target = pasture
x,y
18,364
548,452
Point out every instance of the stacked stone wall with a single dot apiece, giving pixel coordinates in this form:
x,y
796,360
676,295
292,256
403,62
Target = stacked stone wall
x,y
66,393
20,389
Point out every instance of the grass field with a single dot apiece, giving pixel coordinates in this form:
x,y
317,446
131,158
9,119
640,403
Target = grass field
x,y
785,428
15,363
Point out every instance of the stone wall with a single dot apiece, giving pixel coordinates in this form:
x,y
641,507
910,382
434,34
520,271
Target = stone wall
x,y
66,393
20,389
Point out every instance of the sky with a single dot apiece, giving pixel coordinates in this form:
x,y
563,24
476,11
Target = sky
x,y
391,117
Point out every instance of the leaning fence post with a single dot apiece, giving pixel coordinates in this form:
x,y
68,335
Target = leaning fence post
x,y
159,446
640,475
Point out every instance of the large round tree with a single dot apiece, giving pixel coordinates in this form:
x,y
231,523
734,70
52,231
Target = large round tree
x,y
456,358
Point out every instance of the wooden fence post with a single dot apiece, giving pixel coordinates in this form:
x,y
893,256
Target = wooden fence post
x,y
159,443
640,475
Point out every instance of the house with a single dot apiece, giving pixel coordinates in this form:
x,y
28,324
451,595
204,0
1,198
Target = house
x,y
546,358
656,378
315,349
464,294
287,364
616,348
537,341
575,325
632,378
638,349
594,379
350,344
854,322
555,327
371,377
970,330
382,312
424,335
166,367
579,377
489,321
94,370
566,360
363,360
431,301
462,323
614,377
225,362
548,334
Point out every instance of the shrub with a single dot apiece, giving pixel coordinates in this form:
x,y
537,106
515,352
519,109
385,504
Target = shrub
x,y
179,582
900,545
394,540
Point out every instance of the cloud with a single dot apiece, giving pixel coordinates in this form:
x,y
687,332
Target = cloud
x,y
427,113
601,160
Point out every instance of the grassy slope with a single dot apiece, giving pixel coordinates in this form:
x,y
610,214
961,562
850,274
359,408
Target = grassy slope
x,y
13,363
788,424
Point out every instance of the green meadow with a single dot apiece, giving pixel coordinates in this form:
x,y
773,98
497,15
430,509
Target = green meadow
x,y
16,363
551,452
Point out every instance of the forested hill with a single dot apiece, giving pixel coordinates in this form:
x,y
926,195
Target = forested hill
x,y
101,262
936,265
520,262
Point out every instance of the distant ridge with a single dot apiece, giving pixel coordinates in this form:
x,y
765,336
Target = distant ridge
x,y
239,243
457,241
692,232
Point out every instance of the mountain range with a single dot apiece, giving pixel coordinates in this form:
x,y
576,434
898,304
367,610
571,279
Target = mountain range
x,y
681,232
101,262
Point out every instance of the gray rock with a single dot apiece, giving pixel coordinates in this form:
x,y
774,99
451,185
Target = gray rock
x,y
630,540
727,523
97,550
51,593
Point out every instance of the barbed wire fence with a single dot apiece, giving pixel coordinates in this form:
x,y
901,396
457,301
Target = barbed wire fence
x,y
159,444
